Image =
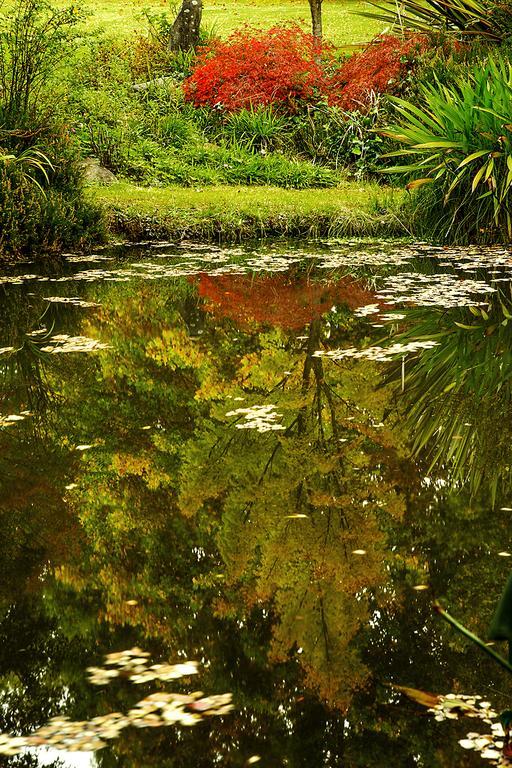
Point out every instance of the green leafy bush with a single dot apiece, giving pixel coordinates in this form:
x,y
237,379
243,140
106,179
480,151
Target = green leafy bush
x,y
41,188
148,162
341,138
42,207
33,40
459,143
174,130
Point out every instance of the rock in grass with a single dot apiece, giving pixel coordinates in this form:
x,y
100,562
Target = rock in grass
x,y
95,173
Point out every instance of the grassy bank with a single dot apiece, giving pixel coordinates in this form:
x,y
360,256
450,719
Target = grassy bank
x,y
229,214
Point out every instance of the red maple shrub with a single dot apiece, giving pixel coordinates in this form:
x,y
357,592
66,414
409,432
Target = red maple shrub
x,y
381,68
285,68
251,68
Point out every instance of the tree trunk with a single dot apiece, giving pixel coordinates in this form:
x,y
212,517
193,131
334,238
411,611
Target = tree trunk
x,y
316,18
185,30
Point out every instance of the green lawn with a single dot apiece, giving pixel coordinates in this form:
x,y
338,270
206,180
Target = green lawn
x,y
223,16
234,213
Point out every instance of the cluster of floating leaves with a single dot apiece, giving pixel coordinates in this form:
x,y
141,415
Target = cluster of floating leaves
x,y
175,260
75,301
155,710
12,418
368,309
373,309
262,418
377,353
62,342
466,258
489,745
92,257
443,290
132,665
191,258
451,707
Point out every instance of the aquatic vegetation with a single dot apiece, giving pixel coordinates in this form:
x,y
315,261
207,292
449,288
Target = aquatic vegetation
x,y
8,421
262,418
447,291
377,353
74,301
62,343
159,709
491,746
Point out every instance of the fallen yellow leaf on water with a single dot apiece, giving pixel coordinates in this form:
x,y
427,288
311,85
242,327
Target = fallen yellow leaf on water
x,y
424,698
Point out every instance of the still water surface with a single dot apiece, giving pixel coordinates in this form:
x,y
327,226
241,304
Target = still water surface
x,y
270,462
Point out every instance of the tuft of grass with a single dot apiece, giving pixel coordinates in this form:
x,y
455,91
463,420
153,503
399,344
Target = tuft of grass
x,y
231,214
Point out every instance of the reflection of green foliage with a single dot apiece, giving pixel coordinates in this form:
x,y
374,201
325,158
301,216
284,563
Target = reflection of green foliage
x,y
458,395
294,504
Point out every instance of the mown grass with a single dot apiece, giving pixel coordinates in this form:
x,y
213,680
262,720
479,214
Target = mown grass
x,y
230,214
342,26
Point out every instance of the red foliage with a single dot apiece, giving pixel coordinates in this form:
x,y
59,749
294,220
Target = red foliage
x,y
279,66
285,67
278,300
380,68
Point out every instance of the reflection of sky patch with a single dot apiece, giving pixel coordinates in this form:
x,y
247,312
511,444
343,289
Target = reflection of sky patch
x,y
47,756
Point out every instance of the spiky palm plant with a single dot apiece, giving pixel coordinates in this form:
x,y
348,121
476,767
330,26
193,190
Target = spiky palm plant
x,y
459,140
475,18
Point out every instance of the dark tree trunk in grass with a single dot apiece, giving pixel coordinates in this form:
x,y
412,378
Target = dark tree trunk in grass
x,y
185,30
316,18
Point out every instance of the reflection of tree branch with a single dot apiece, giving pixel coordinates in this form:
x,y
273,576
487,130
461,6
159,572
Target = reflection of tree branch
x,y
228,443
332,410
325,631
312,345
269,462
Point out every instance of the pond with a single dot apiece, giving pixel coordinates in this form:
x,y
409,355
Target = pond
x,y
233,483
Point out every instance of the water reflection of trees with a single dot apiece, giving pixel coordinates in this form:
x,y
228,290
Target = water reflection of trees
x,y
293,507
190,540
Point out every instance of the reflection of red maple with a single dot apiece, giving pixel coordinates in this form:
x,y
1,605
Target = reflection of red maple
x,y
278,300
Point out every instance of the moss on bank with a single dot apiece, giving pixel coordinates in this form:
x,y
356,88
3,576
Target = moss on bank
x,y
230,214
